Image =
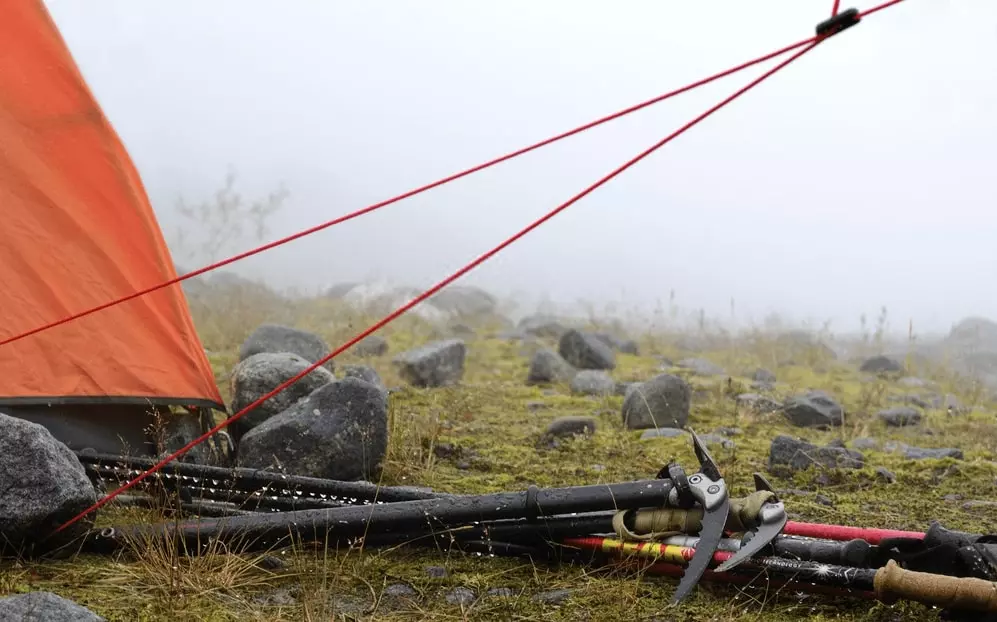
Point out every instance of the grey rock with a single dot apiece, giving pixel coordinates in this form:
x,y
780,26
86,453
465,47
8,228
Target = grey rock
x,y
548,367
913,382
865,444
279,597
338,432
363,372
501,592
260,374
701,367
899,417
796,454
275,338
552,597
921,453
563,427
371,345
464,301
824,500
181,428
814,409
763,375
585,351
910,399
620,344
661,402
762,386
436,572
44,607
535,406
542,326
42,485
436,364
758,403
886,475
728,431
399,590
976,504
461,596
593,382
881,364
662,433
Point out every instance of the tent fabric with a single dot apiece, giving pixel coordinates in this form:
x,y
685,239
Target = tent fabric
x,y
78,231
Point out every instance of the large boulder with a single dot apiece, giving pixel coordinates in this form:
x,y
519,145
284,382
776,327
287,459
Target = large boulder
x,y
43,485
436,364
593,382
542,326
44,607
661,402
881,365
338,432
586,351
260,374
275,338
549,367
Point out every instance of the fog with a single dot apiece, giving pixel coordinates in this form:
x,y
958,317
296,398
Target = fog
x,y
859,177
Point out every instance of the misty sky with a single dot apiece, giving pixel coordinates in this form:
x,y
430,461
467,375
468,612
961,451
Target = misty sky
x,y
855,178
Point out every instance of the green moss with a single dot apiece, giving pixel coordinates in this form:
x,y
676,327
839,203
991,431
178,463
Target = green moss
x,y
492,423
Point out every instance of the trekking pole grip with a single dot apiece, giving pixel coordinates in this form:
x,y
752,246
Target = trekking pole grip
x,y
893,582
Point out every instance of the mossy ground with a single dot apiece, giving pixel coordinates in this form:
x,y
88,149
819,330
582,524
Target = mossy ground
x,y
494,421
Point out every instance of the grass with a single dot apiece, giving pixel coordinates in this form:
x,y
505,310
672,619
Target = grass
x,y
492,423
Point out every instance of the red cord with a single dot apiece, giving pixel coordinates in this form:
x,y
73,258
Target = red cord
x,y
834,9
428,293
410,193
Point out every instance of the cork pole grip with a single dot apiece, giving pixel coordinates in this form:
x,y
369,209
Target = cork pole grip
x,y
893,582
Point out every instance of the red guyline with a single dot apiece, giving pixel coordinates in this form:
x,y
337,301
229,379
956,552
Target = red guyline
x,y
401,310
410,193
834,9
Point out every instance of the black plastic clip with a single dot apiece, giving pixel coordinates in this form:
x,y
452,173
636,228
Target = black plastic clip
x,y
842,21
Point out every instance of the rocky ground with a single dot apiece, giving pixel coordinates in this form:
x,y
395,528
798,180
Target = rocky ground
x,y
481,404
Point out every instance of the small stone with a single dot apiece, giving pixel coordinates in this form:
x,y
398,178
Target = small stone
x,y
886,475
399,590
921,453
535,406
823,500
661,433
881,364
865,444
272,562
548,367
702,367
900,417
501,592
371,345
552,597
461,596
463,465
663,401
564,427
814,409
44,607
763,375
593,382
436,572
952,497
758,403
797,454
977,505
585,351
437,364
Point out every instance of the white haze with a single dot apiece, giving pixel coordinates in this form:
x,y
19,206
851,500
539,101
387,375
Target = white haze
x,y
859,177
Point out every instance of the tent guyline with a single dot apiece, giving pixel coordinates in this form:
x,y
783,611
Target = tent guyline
x,y
825,30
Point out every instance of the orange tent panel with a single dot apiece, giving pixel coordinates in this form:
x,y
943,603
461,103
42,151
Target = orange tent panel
x,y
78,231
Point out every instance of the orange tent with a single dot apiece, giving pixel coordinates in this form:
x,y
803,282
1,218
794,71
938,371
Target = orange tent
x,y
78,231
